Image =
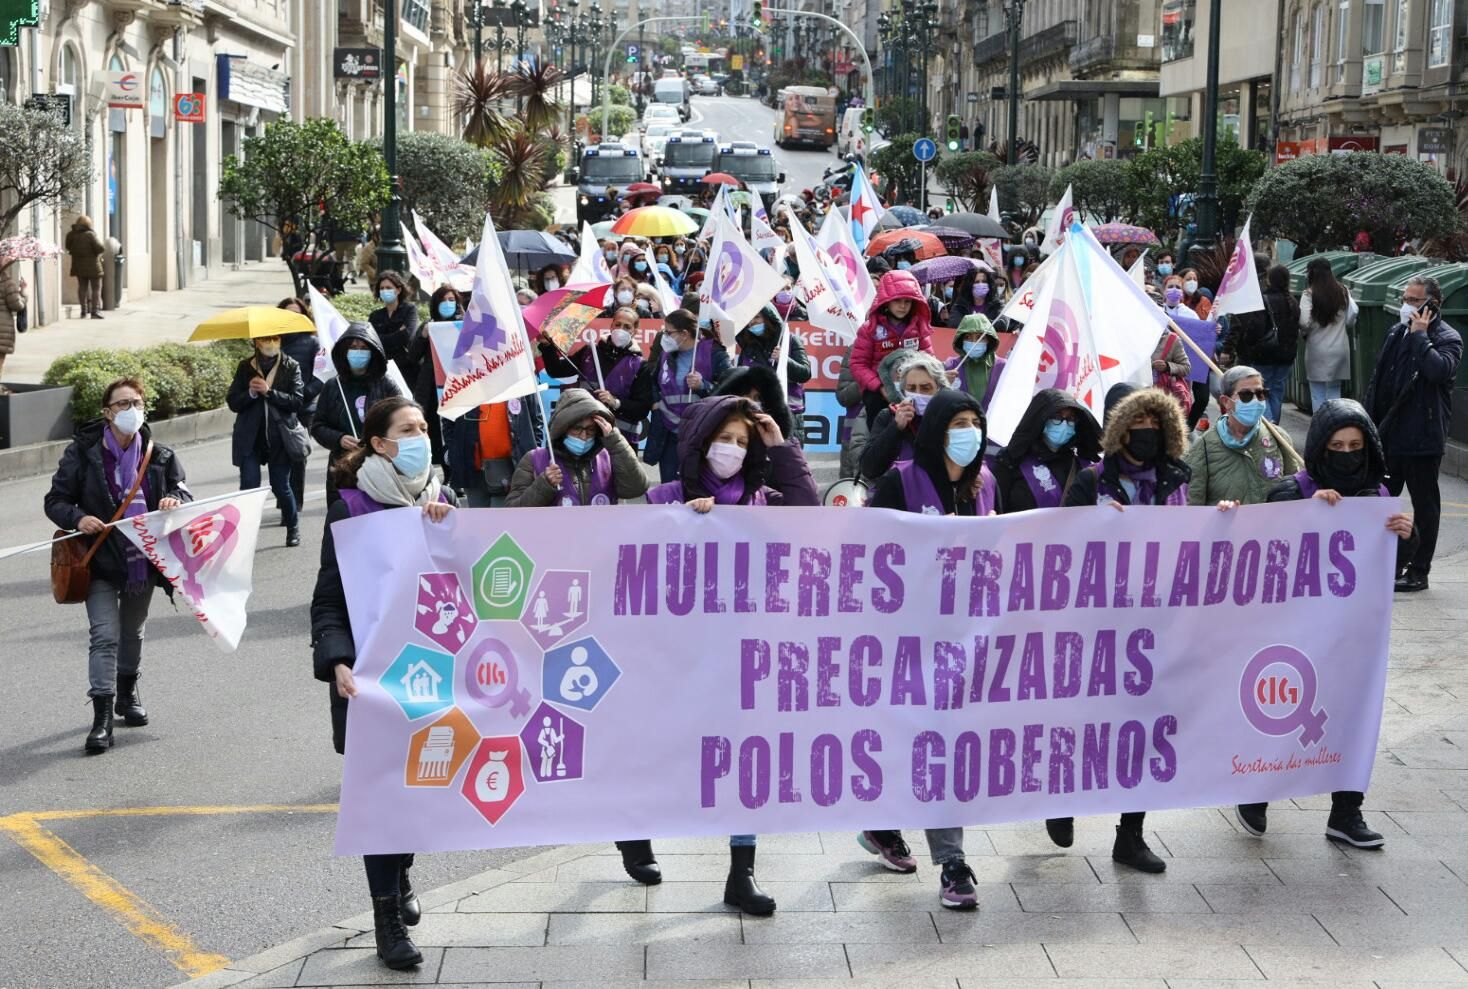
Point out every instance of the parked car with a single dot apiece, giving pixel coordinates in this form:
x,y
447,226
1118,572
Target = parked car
x,y
655,138
708,87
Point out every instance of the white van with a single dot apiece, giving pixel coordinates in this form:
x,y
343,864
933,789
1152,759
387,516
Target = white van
x,y
673,92
850,138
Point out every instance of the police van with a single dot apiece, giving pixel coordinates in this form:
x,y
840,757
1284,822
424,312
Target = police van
x,y
687,158
754,165
604,167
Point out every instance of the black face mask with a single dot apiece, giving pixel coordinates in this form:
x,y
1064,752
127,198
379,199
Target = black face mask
x,y
1144,444
1346,469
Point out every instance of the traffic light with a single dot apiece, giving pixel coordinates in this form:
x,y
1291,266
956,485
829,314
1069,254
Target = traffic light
x,y
757,16
955,133
868,120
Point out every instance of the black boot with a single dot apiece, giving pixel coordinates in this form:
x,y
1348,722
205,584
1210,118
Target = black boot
x,y
99,739
740,889
407,899
1131,849
640,863
293,535
1062,830
393,945
129,705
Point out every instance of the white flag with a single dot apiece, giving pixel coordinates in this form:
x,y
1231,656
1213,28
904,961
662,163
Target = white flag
x,y
719,207
835,239
591,266
764,236
994,204
442,257
487,357
206,551
1058,224
419,265
330,325
1022,300
1238,292
866,208
737,281
669,299
822,285
1138,271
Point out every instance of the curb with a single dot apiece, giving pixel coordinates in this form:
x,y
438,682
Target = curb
x,y
343,931
41,458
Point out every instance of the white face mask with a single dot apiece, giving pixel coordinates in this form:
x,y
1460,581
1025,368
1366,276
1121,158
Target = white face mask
x,y
669,344
1190,287
129,421
551,284
624,298
725,459
1407,312
621,338
919,401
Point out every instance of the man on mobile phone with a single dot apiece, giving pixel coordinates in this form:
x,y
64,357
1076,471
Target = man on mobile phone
x,y
1410,399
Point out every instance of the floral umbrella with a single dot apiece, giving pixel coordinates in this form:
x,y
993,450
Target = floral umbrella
x,y
1125,233
26,248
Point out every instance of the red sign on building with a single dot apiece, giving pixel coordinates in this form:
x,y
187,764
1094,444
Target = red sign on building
x,y
188,108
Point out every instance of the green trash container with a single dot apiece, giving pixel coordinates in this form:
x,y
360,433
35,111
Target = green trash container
x,y
1368,285
1453,280
1342,263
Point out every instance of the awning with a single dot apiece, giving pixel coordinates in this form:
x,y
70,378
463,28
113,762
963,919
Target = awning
x,y
254,85
1082,89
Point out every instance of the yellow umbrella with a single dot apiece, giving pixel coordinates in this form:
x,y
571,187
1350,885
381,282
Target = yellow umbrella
x,y
251,322
654,221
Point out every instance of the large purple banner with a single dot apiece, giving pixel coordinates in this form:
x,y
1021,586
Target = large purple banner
x,y
541,676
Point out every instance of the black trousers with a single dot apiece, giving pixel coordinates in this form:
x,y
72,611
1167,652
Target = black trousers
x,y
1419,476
383,872
1201,396
1341,802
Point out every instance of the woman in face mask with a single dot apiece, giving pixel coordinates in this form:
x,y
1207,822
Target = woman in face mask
x,y
730,453
893,433
1019,267
589,463
549,278
946,476
1055,440
108,458
389,468
899,320
973,293
1172,298
445,305
396,322
361,382
622,295
1164,267
265,397
634,265
663,254
1343,459
1244,455
1195,296
976,364
685,369
620,360
760,344
1171,366
1141,451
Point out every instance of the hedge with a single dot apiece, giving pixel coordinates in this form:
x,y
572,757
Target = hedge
x,y
179,377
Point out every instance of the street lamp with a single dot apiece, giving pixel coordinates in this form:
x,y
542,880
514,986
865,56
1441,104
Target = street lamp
x,y
499,35
1206,212
475,16
1014,15
391,255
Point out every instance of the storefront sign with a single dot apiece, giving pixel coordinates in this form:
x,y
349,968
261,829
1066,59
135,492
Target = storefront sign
x,y
188,108
1346,143
357,63
1433,141
124,90
250,84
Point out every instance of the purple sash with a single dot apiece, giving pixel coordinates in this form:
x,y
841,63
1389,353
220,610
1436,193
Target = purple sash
x,y
619,376
675,395
794,394
671,493
1308,487
922,497
358,502
1045,487
599,484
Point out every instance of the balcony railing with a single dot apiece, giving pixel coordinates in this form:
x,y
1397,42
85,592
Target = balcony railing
x,y
1055,39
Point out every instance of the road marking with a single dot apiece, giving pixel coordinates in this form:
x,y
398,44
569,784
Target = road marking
x,y
129,910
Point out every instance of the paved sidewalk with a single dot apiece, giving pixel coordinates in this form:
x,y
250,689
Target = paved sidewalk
x,y
162,317
1292,908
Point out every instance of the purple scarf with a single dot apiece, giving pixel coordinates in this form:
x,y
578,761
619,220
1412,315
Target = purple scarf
x,y
730,492
1143,476
121,467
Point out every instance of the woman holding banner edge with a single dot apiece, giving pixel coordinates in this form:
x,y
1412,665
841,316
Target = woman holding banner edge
x,y
390,468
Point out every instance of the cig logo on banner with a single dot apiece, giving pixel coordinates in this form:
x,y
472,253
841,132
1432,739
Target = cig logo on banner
x,y
1277,694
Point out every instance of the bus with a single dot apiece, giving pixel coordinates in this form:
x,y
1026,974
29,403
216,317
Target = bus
x,y
808,117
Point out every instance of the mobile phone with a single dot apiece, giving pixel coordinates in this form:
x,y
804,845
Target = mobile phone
x,y
1429,309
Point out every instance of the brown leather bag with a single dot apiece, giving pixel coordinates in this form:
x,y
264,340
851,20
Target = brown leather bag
x,y
71,566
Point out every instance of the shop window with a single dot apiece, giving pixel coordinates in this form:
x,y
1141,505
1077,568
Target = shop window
x,y
1373,27
1178,17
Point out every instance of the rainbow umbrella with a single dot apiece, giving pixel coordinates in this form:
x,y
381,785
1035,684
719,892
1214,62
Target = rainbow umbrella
x,y
654,221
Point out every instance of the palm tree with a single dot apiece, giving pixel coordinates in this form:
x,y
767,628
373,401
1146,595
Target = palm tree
x,y
478,94
524,161
535,83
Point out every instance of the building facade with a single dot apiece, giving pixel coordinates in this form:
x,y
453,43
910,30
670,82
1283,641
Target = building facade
x,y
1248,48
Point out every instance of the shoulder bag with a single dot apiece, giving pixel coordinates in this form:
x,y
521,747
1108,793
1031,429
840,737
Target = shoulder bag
x,y
71,566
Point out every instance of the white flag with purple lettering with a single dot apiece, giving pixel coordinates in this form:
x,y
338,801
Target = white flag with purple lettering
x,y
1238,292
737,280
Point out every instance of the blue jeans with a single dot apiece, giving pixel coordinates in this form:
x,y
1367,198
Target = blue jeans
x,y
1322,392
280,483
1275,376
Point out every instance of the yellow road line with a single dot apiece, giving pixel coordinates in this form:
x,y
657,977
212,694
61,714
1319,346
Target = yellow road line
x,y
133,913
127,908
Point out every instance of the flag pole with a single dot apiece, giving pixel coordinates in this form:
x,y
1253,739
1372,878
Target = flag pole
x,y
601,381
1197,349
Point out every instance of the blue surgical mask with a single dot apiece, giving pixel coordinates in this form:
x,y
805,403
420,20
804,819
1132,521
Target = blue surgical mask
x,y
579,446
387,295
639,266
412,458
680,249
448,308
358,360
947,292
1164,269
904,265
1058,433
974,349
1248,413
757,328
1019,262
962,445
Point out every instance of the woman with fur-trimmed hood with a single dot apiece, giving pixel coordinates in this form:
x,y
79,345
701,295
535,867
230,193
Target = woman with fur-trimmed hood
x,y
1141,464
1142,451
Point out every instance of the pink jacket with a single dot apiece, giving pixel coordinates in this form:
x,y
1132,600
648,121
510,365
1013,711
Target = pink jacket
x,y
880,335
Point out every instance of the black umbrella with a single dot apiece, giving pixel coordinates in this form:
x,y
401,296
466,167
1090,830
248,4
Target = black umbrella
x,y
975,223
528,250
